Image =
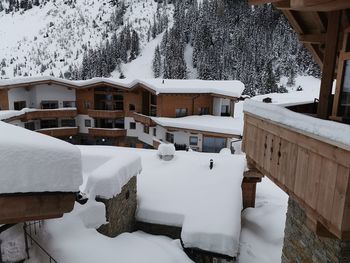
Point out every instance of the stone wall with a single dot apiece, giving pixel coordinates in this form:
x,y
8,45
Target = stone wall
x,y
120,211
302,245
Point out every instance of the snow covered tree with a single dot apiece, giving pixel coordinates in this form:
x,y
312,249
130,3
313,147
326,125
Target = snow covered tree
x,y
135,45
157,63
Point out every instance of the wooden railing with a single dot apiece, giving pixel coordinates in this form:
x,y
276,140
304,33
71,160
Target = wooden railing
x,y
313,170
53,113
101,132
106,114
146,120
60,132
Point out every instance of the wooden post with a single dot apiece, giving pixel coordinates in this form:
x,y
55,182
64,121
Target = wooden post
x,y
329,61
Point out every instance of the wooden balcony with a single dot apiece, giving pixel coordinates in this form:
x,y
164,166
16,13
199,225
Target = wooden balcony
x,y
312,169
60,132
50,114
106,114
16,208
105,132
145,120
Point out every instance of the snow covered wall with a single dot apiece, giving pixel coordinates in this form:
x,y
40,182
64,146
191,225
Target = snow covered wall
x,y
337,132
32,162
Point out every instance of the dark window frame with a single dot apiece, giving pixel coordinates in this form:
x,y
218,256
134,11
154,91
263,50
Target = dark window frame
x,y
132,125
169,137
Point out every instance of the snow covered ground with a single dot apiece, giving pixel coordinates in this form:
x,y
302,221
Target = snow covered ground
x,y
69,240
263,226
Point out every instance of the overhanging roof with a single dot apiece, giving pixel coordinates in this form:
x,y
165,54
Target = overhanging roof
x,y
309,19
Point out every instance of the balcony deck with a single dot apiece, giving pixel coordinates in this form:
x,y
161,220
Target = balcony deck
x,y
60,132
106,132
50,114
312,169
145,120
106,114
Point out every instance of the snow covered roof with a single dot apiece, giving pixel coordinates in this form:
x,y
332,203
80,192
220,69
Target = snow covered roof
x,y
229,88
310,90
105,173
184,192
32,162
204,123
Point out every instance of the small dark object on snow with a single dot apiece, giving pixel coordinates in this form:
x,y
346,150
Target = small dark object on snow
x,y
299,88
211,164
267,100
81,198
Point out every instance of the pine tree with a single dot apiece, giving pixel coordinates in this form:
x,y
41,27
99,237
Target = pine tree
x,y
157,63
135,45
291,78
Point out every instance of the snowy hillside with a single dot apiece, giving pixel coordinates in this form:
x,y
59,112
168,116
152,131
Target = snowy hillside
x,y
51,38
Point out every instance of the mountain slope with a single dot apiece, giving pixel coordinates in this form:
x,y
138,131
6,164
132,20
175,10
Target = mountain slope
x,y
51,39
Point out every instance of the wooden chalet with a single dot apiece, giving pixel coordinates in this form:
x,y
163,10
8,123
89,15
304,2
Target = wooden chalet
x,y
313,170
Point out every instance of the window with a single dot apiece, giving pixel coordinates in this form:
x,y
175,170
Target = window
x,y
169,137
213,144
146,129
345,96
87,104
108,99
154,132
193,140
46,124
182,112
204,111
69,104
119,123
225,110
153,106
132,125
68,123
49,104
131,107
87,123
29,126
18,105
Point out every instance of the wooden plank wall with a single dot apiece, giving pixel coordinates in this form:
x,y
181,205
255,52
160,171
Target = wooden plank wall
x,y
313,171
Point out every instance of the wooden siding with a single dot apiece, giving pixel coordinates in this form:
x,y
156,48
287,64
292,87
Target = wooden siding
x,y
106,114
4,100
100,132
84,96
134,98
168,103
18,208
49,114
315,171
61,132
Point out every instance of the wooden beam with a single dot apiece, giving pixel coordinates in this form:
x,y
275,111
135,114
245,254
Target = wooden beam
x,y
316,53
313,38
319,20
284,4
261,2
329,62
290,15
319,5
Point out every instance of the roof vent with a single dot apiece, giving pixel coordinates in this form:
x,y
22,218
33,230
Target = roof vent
x,y
166,152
